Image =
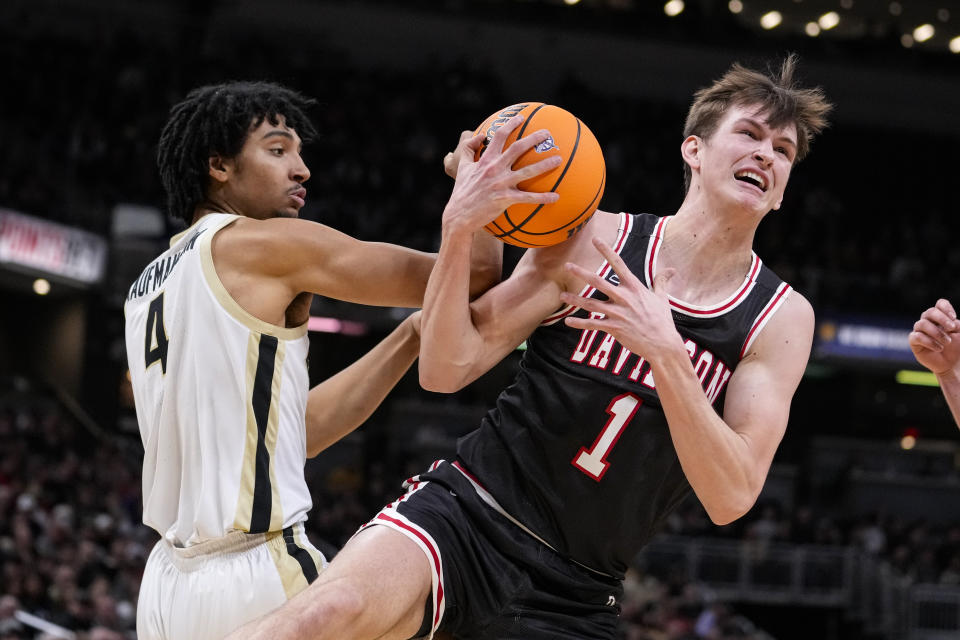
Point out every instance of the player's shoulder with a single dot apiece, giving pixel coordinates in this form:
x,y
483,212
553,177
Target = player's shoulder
x,y
797,306
273,246
549,262
290,235
791,321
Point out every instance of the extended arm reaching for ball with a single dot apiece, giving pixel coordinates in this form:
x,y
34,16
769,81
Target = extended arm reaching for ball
x,y
935,341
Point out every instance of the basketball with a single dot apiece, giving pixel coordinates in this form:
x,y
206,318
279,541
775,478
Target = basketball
x,y
579,180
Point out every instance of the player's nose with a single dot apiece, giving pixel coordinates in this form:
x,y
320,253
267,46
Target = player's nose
x,y
299,171
764,155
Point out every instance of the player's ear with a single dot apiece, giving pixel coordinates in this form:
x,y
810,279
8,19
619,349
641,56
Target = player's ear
x,y
217,168
690,149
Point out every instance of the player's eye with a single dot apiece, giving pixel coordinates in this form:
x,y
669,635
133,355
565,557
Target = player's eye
x,y
277,151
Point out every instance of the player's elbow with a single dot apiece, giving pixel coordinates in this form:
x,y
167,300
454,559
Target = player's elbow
x,y
440,380
732,508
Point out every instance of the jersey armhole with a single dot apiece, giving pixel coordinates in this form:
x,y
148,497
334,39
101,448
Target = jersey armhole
x,y
227,302
775,302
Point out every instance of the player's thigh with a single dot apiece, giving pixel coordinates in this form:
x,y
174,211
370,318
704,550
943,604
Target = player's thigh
x,y
387,579
205,597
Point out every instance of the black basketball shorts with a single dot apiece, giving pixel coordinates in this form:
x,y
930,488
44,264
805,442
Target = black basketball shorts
x,y
491,578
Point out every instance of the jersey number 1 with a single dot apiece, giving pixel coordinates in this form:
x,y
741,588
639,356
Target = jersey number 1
x,y
155,342
593,461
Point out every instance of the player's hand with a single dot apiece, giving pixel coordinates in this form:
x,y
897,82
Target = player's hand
x,y
451,161
935,339
485,187
637,317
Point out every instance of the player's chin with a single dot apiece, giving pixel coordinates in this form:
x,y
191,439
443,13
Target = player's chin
x,y
288,212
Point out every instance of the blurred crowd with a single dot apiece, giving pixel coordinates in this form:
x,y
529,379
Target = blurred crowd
x,y
917,550
862,227
72,548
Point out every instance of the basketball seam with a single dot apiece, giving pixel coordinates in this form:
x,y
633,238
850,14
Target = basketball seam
x,y
532,245
506,213
603,182
573,153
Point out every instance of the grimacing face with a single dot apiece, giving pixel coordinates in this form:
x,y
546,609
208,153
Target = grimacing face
x,y
748,162
265,180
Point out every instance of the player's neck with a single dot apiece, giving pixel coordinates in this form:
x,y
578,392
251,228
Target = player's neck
x,y
715,235
711,255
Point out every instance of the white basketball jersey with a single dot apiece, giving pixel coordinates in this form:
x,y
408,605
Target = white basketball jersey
x,y
221,399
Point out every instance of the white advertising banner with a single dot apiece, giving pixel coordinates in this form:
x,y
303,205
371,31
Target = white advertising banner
x,y
51,248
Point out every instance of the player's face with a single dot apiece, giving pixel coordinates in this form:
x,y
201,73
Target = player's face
x,y
268,175
748,162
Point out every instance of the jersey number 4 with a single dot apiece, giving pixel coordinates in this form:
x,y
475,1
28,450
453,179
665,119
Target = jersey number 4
x,y
155,342
593,461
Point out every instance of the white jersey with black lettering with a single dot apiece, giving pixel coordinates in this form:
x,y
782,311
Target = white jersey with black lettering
x,y
220,397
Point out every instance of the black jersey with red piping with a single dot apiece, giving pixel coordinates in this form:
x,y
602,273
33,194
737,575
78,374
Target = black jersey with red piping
x,y
577,449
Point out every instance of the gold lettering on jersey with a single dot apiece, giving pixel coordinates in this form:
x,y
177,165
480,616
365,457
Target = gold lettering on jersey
x,y
160,269
712,372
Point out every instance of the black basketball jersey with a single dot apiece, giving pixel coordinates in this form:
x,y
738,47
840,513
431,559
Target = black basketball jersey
x,y
577,449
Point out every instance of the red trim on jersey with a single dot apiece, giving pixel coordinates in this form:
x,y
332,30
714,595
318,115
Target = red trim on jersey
x,y
433,552
469,475
626,226
737,297
762,317
656,240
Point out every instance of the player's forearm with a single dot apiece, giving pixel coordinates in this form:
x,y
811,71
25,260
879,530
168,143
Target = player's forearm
x,y
340,404
950,385
486,263
450,340
402,278
715,459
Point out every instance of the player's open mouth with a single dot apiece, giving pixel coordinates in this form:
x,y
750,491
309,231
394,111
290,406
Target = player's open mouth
x,y
753,178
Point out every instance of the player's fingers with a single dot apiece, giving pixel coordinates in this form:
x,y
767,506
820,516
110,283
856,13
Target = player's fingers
x,y
499,138
466,151
534,197
932,329
575,322
526,143
590,304
616,262
600,284
467,147
471,141
537,168
936,316
919,340
450,165
944,305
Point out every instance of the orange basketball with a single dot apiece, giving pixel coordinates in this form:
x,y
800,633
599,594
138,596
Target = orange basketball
x,y
579,179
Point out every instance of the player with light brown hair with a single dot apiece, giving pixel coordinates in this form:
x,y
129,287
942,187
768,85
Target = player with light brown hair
x,y
662,356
